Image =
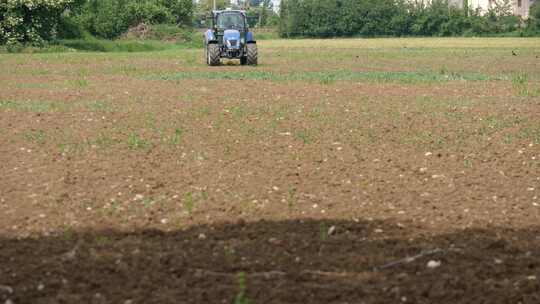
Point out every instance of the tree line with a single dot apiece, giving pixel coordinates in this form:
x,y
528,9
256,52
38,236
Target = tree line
x,y
331,18
38,22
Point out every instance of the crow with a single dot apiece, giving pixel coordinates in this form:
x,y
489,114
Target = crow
x,y
514,53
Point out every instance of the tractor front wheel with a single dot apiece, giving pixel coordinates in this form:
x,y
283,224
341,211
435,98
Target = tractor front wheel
x,y
252,54
212,54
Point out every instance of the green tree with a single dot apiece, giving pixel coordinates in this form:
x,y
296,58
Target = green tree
x,y
111,18
30,21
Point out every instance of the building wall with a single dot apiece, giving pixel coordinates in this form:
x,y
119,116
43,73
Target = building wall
x,y
523,7
520,7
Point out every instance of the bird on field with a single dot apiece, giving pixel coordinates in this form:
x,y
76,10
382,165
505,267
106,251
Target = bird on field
x,y
514,53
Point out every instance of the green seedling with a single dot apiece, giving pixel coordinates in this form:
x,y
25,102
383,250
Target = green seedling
x,y
241,297
35,136
135,142
177,137
188,203
292,197
323,231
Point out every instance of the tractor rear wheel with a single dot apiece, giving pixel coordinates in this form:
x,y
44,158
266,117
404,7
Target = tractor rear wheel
x,y
252,54
212,54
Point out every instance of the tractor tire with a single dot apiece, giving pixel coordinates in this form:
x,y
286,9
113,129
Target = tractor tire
x,y
252,54
243,60
212,54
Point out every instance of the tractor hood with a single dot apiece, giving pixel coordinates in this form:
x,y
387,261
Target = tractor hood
x,y
231,39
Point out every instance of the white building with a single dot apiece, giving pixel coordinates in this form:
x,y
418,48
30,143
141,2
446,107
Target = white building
x,y
519,7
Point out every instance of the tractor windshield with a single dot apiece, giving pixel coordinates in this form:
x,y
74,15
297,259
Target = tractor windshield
x,y
230,21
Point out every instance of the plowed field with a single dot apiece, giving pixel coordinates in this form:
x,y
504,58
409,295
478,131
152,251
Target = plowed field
x,y
336,171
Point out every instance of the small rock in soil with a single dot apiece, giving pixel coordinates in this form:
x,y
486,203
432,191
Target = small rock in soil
x,y
434,264
6,288
332,230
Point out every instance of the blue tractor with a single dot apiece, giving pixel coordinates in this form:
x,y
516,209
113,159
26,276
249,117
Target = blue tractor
x,y
229,37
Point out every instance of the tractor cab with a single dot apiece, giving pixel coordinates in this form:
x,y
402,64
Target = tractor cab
x,y
229,37
230,20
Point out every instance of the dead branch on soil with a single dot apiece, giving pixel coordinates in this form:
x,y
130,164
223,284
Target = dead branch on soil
x,y
408,260
330,273
272,274
6,288
266,274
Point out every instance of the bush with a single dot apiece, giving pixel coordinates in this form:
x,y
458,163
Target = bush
x,y
533,24
111,18
183,36
30,21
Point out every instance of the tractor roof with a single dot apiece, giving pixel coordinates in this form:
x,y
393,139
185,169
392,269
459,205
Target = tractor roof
x,y
229,11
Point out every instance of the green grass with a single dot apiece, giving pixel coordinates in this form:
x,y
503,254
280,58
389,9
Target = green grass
x,y
97,45
38,136
305,136
35,106
136,142
329,77
520,82
99,106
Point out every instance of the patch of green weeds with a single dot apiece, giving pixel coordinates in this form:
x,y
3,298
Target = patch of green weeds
x,y
292,197
78,83
530,133
102,240
97,45
126,70
147,202
316,113
191,59
328,77
305,136
36,106
238,112
99,106
520,82
150,121
188,97
68,234
204,195
188,202
176,138
37,136
136,142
